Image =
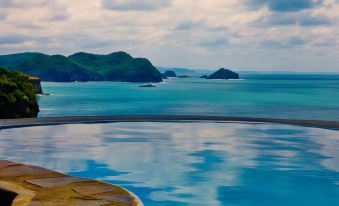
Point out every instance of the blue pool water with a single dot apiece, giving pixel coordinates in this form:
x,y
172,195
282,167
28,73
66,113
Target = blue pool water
x,y
282,96
191,164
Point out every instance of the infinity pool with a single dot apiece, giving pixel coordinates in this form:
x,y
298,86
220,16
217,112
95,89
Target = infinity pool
x,y
193,163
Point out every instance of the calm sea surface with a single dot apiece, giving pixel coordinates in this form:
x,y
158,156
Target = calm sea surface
x,y
297,96
191,164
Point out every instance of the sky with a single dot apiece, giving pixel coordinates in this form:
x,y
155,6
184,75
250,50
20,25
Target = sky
x,y
251,35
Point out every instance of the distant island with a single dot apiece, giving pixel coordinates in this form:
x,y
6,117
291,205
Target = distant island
x,y
17,95
117,66
169,73
184,71
222,74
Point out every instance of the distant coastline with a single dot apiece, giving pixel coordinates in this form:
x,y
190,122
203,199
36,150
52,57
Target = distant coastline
x,y
82,67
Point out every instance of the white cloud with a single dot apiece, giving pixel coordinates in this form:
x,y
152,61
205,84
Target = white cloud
x,y
190,33
23,3
138,5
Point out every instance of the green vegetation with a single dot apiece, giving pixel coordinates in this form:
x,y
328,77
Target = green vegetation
x,y
17,95
117,66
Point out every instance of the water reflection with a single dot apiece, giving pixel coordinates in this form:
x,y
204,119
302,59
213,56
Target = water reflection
x,y
191,163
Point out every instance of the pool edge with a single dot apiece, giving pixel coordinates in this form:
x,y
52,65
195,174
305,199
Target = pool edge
x,y
16,123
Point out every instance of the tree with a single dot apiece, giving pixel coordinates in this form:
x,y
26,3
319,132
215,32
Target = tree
x,y
17,95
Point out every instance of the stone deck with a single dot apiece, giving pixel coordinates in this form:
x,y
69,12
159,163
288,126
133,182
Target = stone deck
x,y
27,185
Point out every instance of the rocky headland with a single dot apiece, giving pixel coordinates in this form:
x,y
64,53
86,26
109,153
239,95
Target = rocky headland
x,y
17,95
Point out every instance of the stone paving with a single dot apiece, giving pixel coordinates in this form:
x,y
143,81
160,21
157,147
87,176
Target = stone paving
x,y
36,186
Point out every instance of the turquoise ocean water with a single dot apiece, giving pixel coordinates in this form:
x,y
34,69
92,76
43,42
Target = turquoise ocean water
x,y
295,96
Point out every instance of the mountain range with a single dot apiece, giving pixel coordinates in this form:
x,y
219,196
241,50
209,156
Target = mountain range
x,y
117,66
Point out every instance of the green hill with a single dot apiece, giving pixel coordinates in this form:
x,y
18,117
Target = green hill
x,y
117,66
17,95
7,60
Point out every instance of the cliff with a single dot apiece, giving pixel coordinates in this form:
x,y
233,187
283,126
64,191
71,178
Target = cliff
x,y
36,83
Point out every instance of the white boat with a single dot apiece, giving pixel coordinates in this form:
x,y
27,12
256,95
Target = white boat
x,y
148,85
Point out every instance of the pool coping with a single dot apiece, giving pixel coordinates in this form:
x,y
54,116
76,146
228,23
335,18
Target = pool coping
x,y
30,185
29,122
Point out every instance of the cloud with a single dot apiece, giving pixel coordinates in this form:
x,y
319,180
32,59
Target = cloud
x,y
291,5
61,15
6,3
17,39
2,16
135,5
12,39
218,42
284,5
47,10
269,43
293,41
23,3
207,33
300,19
327,42
314,21
188,25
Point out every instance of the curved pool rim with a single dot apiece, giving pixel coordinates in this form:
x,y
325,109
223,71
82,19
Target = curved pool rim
x,y
45,121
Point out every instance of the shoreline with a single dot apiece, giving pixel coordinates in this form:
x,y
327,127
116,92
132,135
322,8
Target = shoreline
x,y
44,121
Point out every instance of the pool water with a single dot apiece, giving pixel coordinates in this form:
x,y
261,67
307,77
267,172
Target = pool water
x,y
192,163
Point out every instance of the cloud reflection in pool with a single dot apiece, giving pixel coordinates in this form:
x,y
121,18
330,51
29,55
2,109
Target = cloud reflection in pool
x,y
191,163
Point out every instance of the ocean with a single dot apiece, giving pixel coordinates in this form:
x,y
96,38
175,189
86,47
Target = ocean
x,y
292,96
